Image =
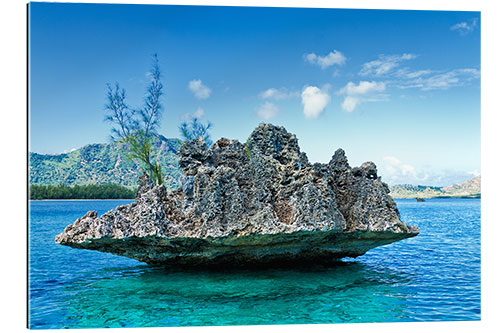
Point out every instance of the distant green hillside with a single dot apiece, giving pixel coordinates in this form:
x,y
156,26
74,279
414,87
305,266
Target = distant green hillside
x,y
468,189
102,164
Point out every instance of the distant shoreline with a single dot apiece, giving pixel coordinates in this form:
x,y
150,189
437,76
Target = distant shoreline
x,y
440,197
80,192
399,198
77,199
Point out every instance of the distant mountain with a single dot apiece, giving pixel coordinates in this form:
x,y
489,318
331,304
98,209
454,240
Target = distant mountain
x,y
101,164
468,189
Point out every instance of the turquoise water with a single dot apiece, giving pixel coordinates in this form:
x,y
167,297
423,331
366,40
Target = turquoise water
x,y
432,277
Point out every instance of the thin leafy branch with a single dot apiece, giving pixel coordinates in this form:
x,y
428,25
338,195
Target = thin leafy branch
x,y
141,148
119,113
137,127
151,112
195,129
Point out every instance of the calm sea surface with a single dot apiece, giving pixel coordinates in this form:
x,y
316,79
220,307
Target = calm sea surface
x,y
434,276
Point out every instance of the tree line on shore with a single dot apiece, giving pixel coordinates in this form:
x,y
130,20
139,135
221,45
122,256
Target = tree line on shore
x,y
92,191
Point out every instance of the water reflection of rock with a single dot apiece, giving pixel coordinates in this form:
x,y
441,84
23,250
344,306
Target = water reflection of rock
x,y
348,292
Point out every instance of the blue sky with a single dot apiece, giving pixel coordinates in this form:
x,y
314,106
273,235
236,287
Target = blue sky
x,y
400,88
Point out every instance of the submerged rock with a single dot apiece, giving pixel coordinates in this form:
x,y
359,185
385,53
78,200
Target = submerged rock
x,y
261,202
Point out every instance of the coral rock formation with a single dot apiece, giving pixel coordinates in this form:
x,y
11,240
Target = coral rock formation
x,y
261,202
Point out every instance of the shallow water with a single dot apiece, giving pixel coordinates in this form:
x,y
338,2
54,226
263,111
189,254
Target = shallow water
x,y
432,277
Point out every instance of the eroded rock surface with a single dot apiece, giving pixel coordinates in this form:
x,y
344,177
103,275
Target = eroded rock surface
x,y
258,202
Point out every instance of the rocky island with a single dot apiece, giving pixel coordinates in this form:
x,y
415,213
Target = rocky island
x,y
259,203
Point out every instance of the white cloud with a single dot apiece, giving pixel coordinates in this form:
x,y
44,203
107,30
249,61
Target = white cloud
x,y
444,80
270,93
332,58
267,111
67,151
426,79
199,113
277,94
407,169
364,91
389,67
314,100
384,64
199,89
391,160
394,171
406,74
363,88
474,173
440,81
464,28
350,103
